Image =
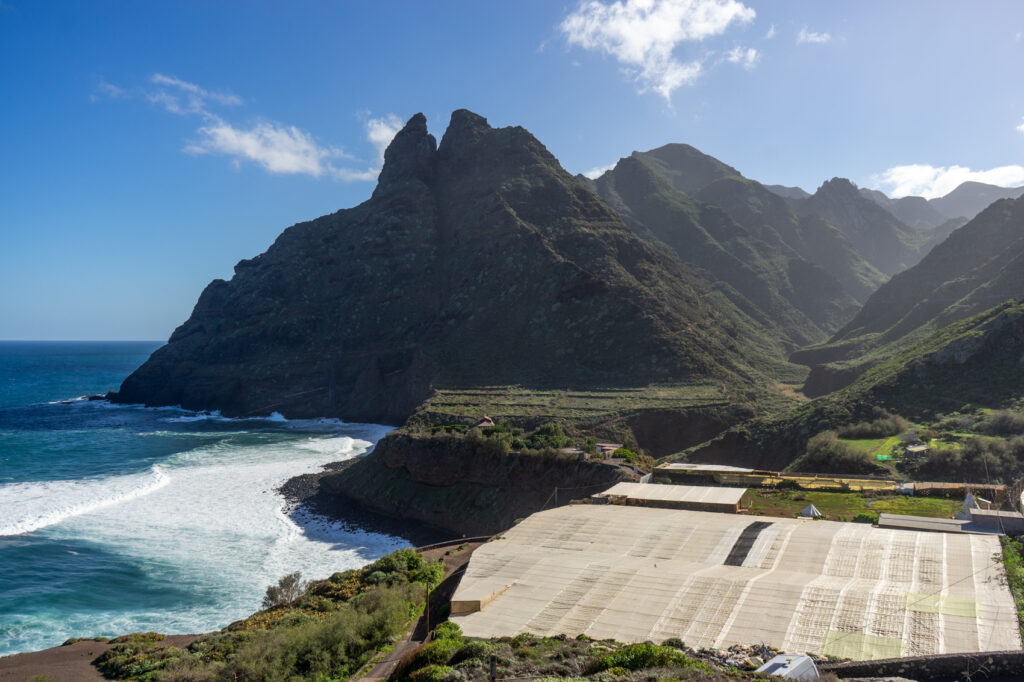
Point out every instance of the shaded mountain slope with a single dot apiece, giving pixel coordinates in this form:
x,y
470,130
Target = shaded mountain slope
x,y
976,360
971,198
978,266
877,234
686,168
770,218
911,211
476,262
788,192
768,281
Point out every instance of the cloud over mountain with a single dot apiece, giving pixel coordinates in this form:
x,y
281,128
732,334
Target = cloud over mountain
x,y
643,35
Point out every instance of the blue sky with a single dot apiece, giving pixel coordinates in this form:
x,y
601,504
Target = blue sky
x,y
146,147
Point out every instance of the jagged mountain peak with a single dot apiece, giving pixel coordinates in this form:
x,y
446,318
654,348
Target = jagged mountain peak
x,y
412,155
838,187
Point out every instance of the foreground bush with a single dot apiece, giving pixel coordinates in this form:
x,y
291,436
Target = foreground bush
x,y
640,656
326,631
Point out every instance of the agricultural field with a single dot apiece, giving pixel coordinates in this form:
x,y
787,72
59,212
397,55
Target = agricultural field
x,y
516,402
875,447
844,506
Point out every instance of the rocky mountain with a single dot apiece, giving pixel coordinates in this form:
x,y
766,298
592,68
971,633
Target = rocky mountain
x,y
764,233
978,266
686,168
788,192
912,211
971,198
476,262
771,218
766,279
884,241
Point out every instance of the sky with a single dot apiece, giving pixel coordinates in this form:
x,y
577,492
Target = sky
x,y
147,147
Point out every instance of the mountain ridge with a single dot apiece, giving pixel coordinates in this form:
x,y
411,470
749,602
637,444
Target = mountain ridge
x,y
475,261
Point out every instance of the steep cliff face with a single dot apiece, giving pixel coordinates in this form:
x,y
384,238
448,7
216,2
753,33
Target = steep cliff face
x,y
449,483
478,261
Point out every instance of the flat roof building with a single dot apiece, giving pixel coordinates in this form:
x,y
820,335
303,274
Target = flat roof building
x,y
697,498
635,574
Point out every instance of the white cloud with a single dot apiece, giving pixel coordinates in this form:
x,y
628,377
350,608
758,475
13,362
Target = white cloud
x,y
380,132
1019,37
181,97
277,148
642,35
1020,128
105,89
771,33
936,181
597,171
746,56
806,36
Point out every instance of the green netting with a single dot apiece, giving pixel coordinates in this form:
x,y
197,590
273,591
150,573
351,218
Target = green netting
x,y
936,603
859,647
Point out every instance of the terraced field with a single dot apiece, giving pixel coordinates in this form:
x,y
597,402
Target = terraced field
x,y
516,402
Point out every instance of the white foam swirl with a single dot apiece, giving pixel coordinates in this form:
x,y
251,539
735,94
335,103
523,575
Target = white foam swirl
x,y
33,505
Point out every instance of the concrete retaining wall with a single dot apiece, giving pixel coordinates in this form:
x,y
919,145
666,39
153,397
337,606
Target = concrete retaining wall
x,y
980,666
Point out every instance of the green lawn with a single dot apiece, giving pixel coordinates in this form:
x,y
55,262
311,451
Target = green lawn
x,y
874,446
844,506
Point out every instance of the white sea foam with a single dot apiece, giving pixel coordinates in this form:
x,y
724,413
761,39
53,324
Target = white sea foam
x,y
217,527
25,507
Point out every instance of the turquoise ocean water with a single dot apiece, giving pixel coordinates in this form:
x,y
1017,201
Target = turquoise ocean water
x,y
116,519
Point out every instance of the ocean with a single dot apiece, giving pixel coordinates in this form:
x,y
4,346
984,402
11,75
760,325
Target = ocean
x,y
117,519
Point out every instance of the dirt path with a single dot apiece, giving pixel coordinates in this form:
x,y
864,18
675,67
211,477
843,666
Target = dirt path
x,y
455,561
71,663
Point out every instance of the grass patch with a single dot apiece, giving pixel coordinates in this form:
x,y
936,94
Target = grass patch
x,y
1013,562
837,506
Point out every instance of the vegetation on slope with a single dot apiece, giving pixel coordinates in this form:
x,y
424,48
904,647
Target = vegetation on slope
x,y
977,267
454,658
1013,562
975,361
326,633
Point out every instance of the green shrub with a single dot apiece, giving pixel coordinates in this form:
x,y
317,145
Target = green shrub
x,y
440,651
1003,423
139,638
289,589
475,650
865,517
448,630
883,427
674,642
827,454
430,673
1013,562
641,656
139,661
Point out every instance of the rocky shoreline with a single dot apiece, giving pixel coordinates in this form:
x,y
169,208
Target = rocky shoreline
x,y
306,499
